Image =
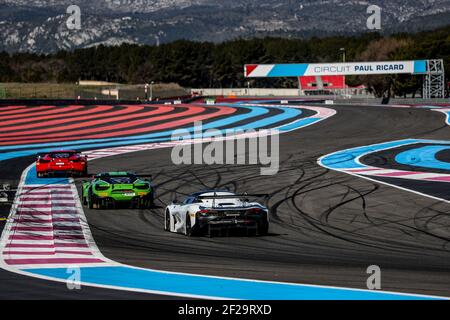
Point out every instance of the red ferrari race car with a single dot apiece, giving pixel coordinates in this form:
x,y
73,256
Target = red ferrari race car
x,y
63,162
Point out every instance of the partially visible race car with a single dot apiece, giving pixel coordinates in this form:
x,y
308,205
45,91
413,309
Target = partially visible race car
x,y
216,212
62,162
110,189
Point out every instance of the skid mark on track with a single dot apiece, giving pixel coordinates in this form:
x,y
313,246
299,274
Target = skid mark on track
x,y
293,197
153,281
294,209
118,276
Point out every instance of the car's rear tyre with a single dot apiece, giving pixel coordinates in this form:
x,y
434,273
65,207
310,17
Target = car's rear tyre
x,y
91,201
83,199
187,226
263,228
151,201
167,221
146,203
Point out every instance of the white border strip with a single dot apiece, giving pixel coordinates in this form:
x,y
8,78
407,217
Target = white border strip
x,y
319,162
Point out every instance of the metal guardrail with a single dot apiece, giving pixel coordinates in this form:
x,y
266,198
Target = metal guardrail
x,y
406,101
71,91
87,102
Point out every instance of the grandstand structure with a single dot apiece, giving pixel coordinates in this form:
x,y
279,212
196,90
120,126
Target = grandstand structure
x,y
312,85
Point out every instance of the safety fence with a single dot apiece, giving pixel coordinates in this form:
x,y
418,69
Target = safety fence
x,y
79,92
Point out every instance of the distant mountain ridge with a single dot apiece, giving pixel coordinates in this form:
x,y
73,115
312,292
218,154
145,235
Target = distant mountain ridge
x,y
40,26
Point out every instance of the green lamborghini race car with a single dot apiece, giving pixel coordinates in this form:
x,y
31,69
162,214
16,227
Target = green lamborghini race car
x,y
111,189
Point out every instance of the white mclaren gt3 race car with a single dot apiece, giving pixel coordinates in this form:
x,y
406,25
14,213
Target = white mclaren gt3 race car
x,y
217,213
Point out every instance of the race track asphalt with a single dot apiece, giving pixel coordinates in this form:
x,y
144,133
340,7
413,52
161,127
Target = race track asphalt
x,y
326,227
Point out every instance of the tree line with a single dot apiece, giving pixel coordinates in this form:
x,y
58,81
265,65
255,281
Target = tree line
x,y
206,64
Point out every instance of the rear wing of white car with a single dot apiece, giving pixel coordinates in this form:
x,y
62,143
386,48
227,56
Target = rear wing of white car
x,y
233,196
244,198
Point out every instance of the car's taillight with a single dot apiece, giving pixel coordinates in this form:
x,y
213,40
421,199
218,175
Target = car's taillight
x,y
255,211
102,187
203,213
43,161
144,186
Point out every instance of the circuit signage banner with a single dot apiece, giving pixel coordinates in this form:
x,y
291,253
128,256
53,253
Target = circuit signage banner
x,y
331,69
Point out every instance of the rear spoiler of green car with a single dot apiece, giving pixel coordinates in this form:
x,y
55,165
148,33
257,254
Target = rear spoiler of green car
x,y
94,175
